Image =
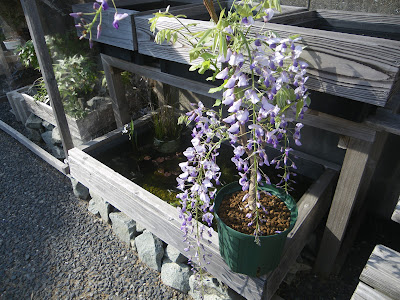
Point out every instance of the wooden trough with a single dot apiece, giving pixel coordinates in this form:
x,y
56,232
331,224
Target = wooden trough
x,y
83,129
163,220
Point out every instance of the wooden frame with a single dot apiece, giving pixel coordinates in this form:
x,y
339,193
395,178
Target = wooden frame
x,y
84,128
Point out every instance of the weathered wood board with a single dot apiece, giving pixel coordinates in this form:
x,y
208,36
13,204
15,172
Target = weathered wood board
x,y
163,220
357,67
125,36
82,129
46,156
365,292
382,271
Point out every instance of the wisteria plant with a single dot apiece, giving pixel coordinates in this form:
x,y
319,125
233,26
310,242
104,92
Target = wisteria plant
x,y
264,94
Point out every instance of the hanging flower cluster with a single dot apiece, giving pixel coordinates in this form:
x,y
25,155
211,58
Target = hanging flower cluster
x,y
98,7
264,93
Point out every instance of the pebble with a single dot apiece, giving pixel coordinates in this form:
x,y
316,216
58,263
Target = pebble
x,y
49,234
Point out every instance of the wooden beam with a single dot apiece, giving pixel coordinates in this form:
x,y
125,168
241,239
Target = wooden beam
x,y
5,68
163,220
117,93
382,271
47,157
365,292
347,188
385,120
311,118
46,67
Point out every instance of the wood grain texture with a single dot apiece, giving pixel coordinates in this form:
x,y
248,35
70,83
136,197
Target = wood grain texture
x,y
353,167
382,271
385,120
358,67
123,37
163,220
365,292
156,74
117,92
47,157
46,67
396,213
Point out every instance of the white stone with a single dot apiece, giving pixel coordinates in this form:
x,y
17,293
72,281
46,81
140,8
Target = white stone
x,y
93,209
150,250
174,255
48,126
176,275
58,152
46,136
123,226
33,122
139,227
102,206
34,135
79,189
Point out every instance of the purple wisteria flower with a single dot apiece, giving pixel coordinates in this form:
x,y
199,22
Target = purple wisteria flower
x,y
117,18
104,4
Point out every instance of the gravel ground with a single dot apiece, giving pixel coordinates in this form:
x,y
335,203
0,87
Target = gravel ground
x,y
51,247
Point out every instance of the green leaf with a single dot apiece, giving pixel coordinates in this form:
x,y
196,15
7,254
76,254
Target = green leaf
x,y
281,98
205,35
217,103
193,54
299,106
308,101
217,89
204,67
194,67
208,56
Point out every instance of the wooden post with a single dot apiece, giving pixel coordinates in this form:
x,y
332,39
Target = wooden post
x,y
353,168
46,67
6,69
117,93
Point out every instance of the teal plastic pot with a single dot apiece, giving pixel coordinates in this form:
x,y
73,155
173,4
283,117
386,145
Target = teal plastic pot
x,y
239,250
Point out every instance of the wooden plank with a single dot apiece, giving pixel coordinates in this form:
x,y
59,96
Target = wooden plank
x,y
163,220
111,136
365,292
382,271
46,67
311,118
385,120
5,68
156,74
339,125
342,205
363,68
313,205
360,209
117,92
10,97
123,37
396,212
47,157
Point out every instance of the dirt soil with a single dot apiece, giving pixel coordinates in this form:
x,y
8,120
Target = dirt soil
x,y
274,214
